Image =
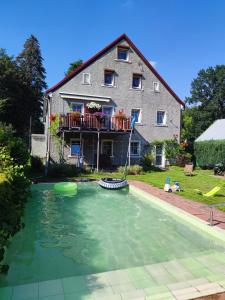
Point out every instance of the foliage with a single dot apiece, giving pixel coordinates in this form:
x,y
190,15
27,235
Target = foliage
x,y
183,158
73,66
36,164
132,170
120,115
14,188
206,103
63,170
147,161
209,153
54,127
32,73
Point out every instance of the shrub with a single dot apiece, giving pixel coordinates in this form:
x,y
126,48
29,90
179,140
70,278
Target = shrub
x,y
147,161
37,165
63,170
183,158
132,170
209,153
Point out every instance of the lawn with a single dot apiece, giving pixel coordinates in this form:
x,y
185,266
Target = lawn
x,y
202,180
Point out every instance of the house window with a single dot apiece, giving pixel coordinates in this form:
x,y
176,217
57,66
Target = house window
x,y
161,118
136,83
156,86
109,78
135,148
107,147
77,107
107,110
158,155
75,148
86,78
122,53
136,114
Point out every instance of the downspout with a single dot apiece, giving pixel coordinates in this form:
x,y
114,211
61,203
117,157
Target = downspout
x,y
48,135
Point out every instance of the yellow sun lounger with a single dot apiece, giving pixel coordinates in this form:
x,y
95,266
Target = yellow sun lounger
x,y
211,193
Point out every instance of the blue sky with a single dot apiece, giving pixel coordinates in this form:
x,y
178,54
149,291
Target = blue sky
x,y
181,36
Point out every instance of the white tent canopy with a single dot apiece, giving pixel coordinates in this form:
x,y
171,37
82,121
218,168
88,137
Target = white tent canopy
x,y
215,132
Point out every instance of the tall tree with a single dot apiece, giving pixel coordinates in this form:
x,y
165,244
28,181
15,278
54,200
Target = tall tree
x,y
73,66
207,101
33,72
13,95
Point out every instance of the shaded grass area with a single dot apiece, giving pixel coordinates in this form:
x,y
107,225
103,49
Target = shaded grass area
x,y
202,180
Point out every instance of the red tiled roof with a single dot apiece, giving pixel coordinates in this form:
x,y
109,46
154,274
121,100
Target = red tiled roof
x,y
103,51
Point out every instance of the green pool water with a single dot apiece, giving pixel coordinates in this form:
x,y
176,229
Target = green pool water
x,y
95,231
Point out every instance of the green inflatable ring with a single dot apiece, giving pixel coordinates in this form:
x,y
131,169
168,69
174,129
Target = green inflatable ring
x,y
65,187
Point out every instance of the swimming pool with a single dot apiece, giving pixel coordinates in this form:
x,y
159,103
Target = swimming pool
x,y
97,231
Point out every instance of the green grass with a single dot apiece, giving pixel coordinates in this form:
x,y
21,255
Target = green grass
x,y
203,180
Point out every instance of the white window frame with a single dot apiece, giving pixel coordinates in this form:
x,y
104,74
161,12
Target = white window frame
x,y
107,140
156,83
89,79
81,147
165,118
77,103
111,106
139,148
140,115
123,49
140,85
113,78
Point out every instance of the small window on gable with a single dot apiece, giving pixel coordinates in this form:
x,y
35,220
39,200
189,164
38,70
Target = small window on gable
x,y
156,86
109,77
122,53
136,114
86,78
135,148
136,82
161,118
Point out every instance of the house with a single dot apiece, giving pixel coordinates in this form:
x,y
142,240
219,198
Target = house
x,y
210,145
96,102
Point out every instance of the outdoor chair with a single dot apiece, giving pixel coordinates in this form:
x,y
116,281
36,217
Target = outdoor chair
x,y
188,170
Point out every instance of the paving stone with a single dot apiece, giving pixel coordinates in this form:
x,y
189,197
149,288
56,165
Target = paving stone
x,y
97,280
123,288
138,273
79,296
188,296
161,296
144,283
212,291
74,284
208,286
50,287
108,291
108,297
118,277
197,281
179,285
133,295
156,290
24,292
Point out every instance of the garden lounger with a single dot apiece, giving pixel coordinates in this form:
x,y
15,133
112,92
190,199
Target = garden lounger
x,y
211,193
188,170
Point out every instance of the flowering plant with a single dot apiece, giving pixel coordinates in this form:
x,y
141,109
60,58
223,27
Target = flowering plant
x,y
99,115
75,115
93,106
120,115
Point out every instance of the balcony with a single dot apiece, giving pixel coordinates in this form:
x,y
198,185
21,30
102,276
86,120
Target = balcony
x,y
92,122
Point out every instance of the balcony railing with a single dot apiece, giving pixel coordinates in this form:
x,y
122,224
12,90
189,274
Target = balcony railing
x,y
91,122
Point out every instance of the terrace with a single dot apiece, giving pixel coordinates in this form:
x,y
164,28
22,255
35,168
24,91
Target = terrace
x,y
92,122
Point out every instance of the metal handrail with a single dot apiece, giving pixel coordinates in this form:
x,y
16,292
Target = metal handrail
x,y
211,213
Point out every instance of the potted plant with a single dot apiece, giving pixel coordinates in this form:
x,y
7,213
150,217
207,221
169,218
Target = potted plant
x,y
75,116
99,115
93,107
120,115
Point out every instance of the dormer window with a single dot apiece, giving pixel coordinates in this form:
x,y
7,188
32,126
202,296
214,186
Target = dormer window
x,y
109,77
136,82
122,53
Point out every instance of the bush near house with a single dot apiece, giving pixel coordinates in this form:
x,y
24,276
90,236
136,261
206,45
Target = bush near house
x,y
14,186
132,170
209,153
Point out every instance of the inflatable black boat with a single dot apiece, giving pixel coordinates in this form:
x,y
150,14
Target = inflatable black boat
x,y
113,183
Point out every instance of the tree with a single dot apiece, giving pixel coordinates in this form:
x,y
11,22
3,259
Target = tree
x,y
13,94
74,65
32,73
207,101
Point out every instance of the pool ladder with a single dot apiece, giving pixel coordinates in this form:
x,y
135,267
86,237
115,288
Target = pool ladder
x,y
211,212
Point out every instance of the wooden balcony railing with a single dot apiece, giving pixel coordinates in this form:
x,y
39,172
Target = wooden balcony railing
x,y
92,122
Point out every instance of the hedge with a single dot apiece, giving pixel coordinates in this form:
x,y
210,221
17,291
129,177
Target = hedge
x,y
209,153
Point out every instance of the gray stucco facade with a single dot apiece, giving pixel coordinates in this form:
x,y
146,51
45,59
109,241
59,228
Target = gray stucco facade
x,y
121,96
